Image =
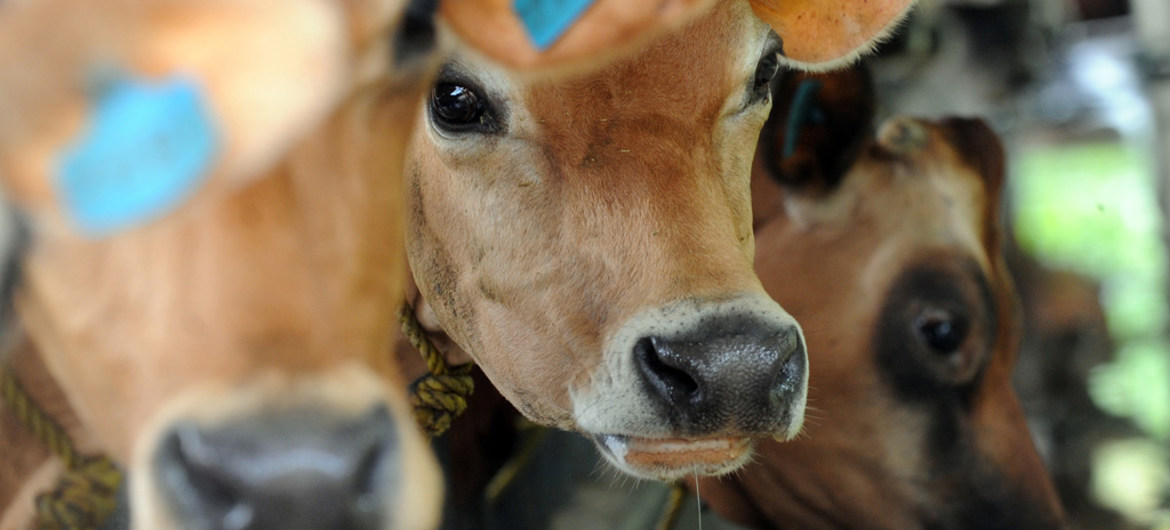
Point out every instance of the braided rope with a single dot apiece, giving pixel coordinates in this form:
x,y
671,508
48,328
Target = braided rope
x,y
46,431
86,493
84,497
531,437
673,508
441,395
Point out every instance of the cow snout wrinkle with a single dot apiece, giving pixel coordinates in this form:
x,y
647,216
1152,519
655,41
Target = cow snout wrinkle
x,y
304,470
728,374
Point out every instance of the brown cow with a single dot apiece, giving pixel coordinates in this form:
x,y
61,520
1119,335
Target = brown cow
x,y
588,240
887,250
251,322
229,352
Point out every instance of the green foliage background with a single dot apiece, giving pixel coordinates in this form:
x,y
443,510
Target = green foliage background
x,y
1093,208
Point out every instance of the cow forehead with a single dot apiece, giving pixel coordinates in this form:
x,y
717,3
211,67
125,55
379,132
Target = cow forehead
x,y
931,198
647,114
691,70
887,215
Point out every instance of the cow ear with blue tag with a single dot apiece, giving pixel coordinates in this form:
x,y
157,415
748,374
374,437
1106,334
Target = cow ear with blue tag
x,y
552,35
147,146
547,20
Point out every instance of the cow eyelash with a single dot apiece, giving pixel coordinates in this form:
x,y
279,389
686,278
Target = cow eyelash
x,y
760,86
456,107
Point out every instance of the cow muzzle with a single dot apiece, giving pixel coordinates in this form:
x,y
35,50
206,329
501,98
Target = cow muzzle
x,y
693,383
336,449
297,469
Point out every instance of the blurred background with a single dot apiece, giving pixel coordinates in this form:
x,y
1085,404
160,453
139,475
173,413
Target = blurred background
x,y
1080,92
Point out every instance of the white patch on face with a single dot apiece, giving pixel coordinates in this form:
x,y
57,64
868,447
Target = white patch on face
x,y
617,451
761,40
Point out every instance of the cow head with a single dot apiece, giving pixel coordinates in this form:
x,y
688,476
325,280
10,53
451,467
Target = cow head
x,y
588,241
224,337
887,250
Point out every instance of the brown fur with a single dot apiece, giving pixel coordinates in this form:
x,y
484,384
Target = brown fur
x,y
595,209
855,27
602,203
920,193
816,32
23,454
492,27
275,285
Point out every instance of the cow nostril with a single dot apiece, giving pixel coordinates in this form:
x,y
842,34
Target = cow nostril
x,y
724,373
194,463
370,471
791,367
297,470
198,462
660,365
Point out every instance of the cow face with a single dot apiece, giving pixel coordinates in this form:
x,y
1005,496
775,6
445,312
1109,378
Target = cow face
x,y
228,345
891,262
588,241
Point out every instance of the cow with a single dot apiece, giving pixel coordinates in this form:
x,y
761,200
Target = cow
x,y
886,247
225,339
588,240
237,320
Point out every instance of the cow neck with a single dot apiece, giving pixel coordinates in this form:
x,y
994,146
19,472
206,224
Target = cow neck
x,y
86,492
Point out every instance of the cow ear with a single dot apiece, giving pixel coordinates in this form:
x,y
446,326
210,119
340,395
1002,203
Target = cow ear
x,y
184,74
542,34
822,34
817,127
982,150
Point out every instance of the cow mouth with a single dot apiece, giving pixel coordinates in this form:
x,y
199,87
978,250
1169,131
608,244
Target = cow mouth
x,y
674,458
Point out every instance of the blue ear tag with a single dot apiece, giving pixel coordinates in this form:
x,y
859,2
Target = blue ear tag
x,y
804,111
548,20
147,148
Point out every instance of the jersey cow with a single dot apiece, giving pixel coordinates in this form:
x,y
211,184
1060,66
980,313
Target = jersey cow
x,y
887,250
588,240
212,197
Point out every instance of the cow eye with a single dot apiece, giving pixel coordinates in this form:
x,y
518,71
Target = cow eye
x,y
766,70
942,331
938,327
459,108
